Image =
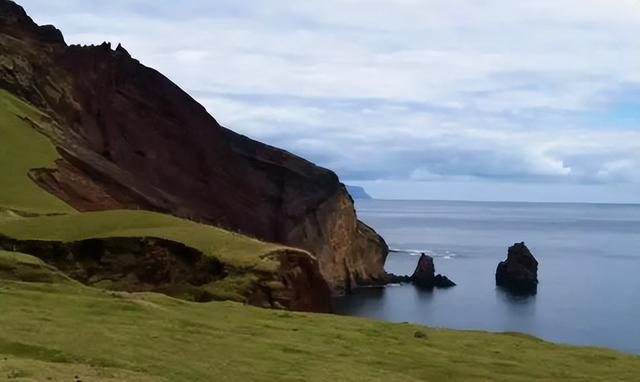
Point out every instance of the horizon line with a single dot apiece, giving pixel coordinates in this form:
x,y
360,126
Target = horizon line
x,y
499,201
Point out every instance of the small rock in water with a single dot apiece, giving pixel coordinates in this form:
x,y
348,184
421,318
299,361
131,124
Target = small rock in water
x,y
425,277
397,279
441,281
519,272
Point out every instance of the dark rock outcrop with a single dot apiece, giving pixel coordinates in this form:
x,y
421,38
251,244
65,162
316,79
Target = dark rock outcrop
x,y
398,279
157,265
425,272
424,276
441,281
131,138
17,23
519,272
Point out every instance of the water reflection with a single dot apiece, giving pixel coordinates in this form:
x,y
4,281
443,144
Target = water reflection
x,y
360,300
516,311
425,294
516,296
518,304
374,292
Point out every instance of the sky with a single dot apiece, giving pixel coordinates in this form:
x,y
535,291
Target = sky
x,y
413,99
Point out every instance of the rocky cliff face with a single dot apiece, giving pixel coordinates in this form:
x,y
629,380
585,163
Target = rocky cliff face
x,y
130,138
159,265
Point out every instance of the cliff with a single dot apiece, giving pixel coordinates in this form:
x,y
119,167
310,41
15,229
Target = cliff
x,y
130,138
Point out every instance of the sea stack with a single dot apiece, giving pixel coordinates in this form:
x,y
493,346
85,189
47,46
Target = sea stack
x,y
519,273
425,275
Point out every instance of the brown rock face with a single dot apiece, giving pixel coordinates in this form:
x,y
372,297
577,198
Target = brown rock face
x,y
158,265
130,138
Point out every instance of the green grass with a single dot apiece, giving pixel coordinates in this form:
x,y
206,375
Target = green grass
x,y
61,331
22,149
233,249
22,267
243,257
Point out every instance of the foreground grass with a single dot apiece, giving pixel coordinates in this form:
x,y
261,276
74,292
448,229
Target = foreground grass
x,y
22,149
59,331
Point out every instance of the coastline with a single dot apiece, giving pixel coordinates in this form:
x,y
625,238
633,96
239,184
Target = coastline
x,y
573,243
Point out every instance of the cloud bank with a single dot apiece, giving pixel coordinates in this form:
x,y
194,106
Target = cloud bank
x,y
411,92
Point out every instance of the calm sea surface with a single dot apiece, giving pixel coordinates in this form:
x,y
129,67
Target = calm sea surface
x,y
589,255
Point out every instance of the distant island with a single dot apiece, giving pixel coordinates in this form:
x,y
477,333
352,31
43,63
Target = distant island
x,y
358,192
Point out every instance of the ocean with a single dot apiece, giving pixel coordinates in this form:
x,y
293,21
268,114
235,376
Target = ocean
x,y
589,272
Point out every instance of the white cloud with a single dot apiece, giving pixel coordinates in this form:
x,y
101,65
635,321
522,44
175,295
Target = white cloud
x,y
402,90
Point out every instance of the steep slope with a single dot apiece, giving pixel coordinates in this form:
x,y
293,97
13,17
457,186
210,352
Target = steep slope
x,y
136,250
130,138
24,149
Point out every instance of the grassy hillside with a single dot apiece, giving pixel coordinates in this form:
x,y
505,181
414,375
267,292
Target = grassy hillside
x,y
21,267
231,248
22,149
59,331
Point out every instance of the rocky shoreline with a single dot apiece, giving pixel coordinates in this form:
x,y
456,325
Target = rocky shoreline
x,y
424,276
517,274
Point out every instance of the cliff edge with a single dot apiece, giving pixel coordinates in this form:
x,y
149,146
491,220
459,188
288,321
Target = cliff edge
x,y
130,138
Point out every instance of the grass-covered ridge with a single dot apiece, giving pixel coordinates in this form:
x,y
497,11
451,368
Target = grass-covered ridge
x,y
233,249
22,149
21,267
60,331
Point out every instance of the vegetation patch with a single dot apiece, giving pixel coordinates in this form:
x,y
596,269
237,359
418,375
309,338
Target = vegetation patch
x,y
150,337
22,150
234,249
22,267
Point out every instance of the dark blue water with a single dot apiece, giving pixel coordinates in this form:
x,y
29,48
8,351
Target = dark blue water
x,y
589,255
